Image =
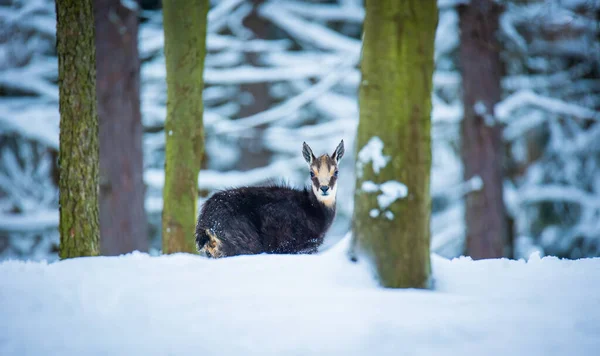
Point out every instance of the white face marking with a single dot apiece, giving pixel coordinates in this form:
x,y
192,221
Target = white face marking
x,y
323,176
329,199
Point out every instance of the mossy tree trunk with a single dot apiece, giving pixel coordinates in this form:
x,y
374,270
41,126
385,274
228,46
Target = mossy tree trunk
x,y
394,142
78,151
185,48
123,226
481,135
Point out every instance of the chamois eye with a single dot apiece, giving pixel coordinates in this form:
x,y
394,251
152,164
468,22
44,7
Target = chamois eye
x,y
336,173
312,174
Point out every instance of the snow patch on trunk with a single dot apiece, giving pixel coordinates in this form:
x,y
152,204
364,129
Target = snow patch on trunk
x,y
391,191
372,153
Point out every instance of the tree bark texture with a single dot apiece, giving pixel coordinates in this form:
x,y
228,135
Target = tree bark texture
x,y
123,225
395,107
185,48
78,150
481,135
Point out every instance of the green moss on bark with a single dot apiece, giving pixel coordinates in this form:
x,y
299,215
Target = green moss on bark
x,y
395,105
78,152
185,48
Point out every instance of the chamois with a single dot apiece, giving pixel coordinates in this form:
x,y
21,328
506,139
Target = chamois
x,y
272,219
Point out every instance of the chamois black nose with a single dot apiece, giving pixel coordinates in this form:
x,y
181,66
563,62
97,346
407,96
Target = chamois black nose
x,y
324,189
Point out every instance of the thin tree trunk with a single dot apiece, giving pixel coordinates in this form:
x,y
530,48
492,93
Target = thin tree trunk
x,y
394,141
253,153
78,151
123,226
481,148
185,48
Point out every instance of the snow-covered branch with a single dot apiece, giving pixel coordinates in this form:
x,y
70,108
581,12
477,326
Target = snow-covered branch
x,y
213,180
308,32
558,193
524,98
325,12
35,221
248,74
291,105
522,81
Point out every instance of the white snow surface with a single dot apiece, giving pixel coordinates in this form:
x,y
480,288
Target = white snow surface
x,y
296,305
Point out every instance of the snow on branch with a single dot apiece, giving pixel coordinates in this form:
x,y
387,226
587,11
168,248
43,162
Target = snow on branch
x,y
446,34
580,47
452,234
34,221
446,78
584,141
213,180
20,79
31,119
249,74
36,15
217,16
152,41
517,128
448,230
278,138
558,193
525,98
295,59
517,82
325,12
553,14
221,42
507,27
307,31
440,78
235,22
291,105
579,4
443,4
445,113
331,104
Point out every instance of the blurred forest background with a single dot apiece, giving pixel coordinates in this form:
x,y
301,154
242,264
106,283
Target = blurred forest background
x,y
279,72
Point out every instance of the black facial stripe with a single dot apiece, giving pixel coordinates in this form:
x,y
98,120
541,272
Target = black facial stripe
x,y
332,182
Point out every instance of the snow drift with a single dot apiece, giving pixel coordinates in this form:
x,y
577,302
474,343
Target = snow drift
x,y
296,305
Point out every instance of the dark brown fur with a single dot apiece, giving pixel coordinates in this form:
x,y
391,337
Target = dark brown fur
x,y
271,219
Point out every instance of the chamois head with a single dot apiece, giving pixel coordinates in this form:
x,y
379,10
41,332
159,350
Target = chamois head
x,y
324,173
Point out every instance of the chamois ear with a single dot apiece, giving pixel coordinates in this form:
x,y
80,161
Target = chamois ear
x,y
339,152
309,157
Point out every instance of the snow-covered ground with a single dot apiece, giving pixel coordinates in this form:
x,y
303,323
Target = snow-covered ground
x,y
296,305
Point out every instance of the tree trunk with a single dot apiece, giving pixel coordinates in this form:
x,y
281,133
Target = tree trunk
x,y
78,151
185,48
481,147
395,107
122,216
253,153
